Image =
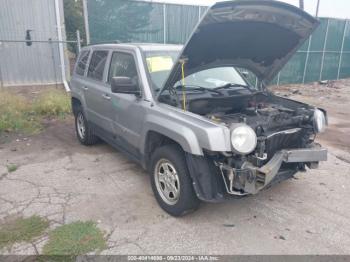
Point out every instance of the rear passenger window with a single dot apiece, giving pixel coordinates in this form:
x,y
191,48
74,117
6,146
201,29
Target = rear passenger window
x,y
81,65
97,64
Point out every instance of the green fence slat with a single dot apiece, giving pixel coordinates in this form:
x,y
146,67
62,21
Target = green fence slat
x,y
181,21
111,20
345,66
136,21
305,45
313,67
330,67
153,32
347,38
318,37
293,70
335,34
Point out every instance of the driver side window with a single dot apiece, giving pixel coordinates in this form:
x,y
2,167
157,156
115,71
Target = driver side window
x,y
123,64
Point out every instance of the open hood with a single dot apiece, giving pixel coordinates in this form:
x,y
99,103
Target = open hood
x,y
258,35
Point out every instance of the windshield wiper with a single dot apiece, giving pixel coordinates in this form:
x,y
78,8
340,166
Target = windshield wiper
x,y
196,88
230,85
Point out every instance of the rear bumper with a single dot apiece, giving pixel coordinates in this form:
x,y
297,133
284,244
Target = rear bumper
x,y
251,179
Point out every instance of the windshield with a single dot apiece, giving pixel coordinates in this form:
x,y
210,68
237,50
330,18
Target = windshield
x,y
213,78
159,64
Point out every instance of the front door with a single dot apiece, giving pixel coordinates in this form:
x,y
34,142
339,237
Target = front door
x,y
127,108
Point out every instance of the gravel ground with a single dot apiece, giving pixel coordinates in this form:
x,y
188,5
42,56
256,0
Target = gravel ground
x,y
61,180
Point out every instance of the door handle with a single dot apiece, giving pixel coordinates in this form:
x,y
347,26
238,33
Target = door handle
x,y
107,97
85,88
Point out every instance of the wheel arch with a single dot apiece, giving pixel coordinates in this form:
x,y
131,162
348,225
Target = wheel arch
x,y
162,127
75,104
155,138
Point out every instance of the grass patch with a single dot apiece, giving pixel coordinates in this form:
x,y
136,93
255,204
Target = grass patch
x,y
15,114
74,239
12,168
20,114
22,229
53,103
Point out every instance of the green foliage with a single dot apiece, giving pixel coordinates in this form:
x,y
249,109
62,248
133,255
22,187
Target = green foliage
x,y
53,103
12,168
123,18
22,229
73,239
15,114
74,20
18,114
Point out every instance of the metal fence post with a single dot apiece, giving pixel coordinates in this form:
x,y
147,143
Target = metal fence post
x,y
317,7
164,23
53,60
78,41
307,58
342,48
1,78
86,22
324,50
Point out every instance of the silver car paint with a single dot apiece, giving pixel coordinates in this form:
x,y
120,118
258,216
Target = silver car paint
x,y
137,116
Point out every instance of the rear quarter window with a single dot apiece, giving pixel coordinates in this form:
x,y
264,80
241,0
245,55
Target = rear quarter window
x,y
81,64
97,64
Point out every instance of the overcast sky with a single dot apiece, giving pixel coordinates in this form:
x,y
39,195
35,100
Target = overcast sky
x,y
328,8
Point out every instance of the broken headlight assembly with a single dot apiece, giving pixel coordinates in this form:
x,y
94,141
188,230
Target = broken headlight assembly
x,y
243,139
320,121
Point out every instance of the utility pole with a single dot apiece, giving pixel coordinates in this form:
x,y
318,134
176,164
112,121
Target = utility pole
x,y
301,4
318,7
86,22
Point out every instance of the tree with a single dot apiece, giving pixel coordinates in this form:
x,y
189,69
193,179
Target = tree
x,y
118,19
74,20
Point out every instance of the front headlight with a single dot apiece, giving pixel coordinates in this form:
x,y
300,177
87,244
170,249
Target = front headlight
x,y
243,139
319,121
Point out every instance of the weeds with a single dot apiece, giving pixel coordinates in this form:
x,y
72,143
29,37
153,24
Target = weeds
x,y
53,103
18,114
74,239
15,114
11,168
22,229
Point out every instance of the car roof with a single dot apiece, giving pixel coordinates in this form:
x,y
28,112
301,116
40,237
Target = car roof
x,y
142,46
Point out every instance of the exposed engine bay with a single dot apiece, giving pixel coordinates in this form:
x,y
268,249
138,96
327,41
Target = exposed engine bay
x,y
280,124
275,136
263,112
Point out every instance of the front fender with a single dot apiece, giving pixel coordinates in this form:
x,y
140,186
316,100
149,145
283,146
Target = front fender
x,y
183,135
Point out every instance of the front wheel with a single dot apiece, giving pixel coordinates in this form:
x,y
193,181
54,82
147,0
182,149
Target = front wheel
x,y
171,182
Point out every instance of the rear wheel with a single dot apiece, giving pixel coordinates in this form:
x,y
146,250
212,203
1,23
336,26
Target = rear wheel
x,y
83,130
171,182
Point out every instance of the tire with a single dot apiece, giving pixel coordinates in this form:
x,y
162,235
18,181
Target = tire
x,y
86,137
171,159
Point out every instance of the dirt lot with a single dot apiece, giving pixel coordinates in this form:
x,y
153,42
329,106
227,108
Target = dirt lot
x,y
63,181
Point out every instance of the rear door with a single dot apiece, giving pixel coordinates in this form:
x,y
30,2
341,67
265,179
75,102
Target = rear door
x,y
128,110
78,80
97,92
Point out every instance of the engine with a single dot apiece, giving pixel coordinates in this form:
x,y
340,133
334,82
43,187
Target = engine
x,y
265,118
278,123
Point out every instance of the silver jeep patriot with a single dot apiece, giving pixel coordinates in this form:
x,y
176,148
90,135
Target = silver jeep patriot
x,y
191,116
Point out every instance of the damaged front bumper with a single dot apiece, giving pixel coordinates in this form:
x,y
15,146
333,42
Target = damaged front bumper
x,y
250,179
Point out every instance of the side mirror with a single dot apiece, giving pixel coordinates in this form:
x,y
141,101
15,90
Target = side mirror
x,y
125,85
